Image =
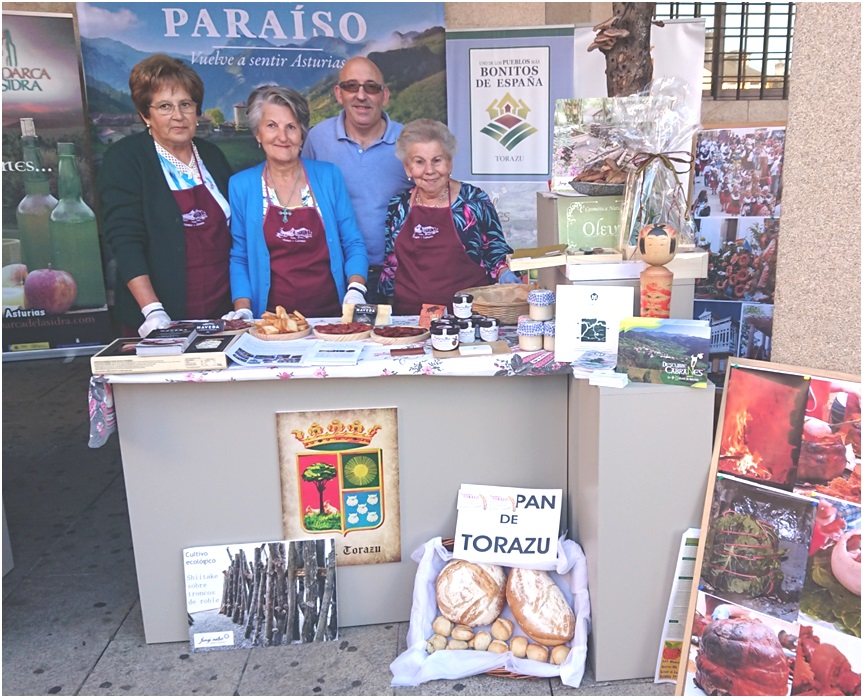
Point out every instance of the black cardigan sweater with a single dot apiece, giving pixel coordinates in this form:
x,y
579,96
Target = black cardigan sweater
x,y
142,222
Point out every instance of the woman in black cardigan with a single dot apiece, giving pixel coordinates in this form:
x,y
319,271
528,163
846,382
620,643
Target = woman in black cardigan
x,y
164,205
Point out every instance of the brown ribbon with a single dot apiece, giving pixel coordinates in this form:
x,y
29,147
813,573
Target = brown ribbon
x,y
642,159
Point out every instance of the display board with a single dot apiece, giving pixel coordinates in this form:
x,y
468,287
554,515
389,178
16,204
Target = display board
x,y
53,287
775,603
737,200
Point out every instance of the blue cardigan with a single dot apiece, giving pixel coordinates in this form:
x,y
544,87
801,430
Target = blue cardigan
x,y
250,259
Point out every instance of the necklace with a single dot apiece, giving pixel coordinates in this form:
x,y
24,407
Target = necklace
x,y
286,212
440,200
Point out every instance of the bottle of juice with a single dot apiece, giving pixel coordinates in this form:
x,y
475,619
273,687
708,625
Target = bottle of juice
x,y
34,210
75,235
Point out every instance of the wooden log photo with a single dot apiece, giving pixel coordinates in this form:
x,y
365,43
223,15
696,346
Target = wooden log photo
x,y
261,594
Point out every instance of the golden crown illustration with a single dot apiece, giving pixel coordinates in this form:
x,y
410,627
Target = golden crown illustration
x,y
336,433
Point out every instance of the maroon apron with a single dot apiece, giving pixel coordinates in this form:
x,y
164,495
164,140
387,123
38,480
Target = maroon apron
x,y
432,261
300,274
208,250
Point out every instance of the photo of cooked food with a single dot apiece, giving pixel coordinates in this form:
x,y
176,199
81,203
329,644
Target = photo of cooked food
x,y
756,548
829,461
826,664
762,425
831,589
737,652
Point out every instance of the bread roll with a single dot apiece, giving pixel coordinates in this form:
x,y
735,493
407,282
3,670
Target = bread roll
x,y
456,645
481,641
501,629
559,654
462,632
498,647
435,642
469,593
539,607
442,626
537,652
519,646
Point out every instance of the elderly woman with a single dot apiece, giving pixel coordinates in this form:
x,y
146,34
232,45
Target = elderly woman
x,y
442,235
164,205
296,242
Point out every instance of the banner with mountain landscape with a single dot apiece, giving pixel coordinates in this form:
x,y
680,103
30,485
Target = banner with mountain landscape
x,y
236,47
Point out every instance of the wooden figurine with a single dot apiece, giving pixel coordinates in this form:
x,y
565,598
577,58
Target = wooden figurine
x,y
657,244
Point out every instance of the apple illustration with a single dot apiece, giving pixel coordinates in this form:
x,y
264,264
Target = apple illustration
x,y
51,290
14,276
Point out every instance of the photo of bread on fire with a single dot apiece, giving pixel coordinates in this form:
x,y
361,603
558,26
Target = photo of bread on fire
x,y
762,425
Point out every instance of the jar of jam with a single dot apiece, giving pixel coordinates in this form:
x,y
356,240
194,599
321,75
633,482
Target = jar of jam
x,y
489,329
541,302
444,337
548,329
462,305
530,335
466,331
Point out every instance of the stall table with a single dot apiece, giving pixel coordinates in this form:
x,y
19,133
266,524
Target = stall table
x,y
200,460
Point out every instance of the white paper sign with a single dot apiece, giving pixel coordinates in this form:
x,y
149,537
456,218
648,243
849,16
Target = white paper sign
x,y
511,526
588,319
509,110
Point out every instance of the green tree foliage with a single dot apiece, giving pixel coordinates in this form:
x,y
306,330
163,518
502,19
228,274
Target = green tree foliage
x,y
319,474
216,116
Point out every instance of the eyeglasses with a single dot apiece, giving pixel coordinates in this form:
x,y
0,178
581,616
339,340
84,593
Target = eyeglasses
x,y
166,108
370,86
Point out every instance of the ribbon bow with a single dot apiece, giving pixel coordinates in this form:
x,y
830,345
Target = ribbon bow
x,y
642,159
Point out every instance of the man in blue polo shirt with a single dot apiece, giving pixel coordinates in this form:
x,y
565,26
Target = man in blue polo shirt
x,y
361,141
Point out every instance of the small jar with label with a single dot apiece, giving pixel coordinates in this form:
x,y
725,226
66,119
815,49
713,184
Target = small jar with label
x,y
541,302
466,331
548,335
489,329
530,335
462,305
444,337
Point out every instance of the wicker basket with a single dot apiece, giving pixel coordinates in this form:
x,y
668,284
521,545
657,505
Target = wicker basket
x,y
500,672
505,302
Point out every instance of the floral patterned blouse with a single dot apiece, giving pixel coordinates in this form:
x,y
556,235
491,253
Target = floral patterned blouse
x,y
476,223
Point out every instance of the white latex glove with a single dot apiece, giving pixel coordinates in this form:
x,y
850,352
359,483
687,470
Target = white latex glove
x,y
356,294
241,314
509,277
155,318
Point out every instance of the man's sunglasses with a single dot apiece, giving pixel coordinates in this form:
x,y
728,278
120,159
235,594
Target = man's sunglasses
x,y
370,86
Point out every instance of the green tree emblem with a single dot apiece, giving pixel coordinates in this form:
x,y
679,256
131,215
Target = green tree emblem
x,y
319,474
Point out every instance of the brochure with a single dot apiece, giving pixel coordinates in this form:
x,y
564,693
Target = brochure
x,y
334,353
668,351
250,351
588,320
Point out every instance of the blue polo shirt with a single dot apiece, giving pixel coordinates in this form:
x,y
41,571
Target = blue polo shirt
x,y
373,175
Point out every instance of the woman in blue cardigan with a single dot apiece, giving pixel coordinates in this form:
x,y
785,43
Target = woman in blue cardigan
x,y
295,240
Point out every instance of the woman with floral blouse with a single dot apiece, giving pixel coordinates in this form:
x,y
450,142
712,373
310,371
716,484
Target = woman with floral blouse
x,y
442,235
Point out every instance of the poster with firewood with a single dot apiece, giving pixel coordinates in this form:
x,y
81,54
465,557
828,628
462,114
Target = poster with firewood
x,y
261,594
340,479
775,602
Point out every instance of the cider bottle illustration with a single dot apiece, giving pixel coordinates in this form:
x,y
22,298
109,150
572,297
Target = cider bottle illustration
x,y
75,235
34,210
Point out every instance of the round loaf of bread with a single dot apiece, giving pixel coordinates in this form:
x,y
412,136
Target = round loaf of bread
x,y
471,593
539,607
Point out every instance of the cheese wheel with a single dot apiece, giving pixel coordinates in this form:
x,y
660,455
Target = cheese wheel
x,y
471,593
539,607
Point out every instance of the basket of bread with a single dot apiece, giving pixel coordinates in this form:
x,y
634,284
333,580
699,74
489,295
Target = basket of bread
x,y
504,302
472,618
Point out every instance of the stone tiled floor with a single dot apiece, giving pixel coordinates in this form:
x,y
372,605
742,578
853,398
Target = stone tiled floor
x,y
71,617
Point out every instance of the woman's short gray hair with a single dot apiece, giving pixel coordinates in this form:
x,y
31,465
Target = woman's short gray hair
x,y
424,131
283,96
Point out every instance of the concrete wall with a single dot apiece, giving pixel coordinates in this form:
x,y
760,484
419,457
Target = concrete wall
x,y
817,313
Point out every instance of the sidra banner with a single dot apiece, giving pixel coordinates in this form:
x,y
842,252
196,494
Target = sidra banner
x,y
53,286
